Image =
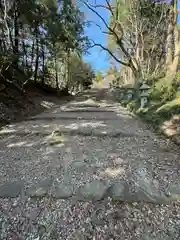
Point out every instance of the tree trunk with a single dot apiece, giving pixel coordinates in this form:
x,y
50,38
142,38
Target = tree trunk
x,y
37,56
169,40
56,70
173,52
32,56
16,37
174,66
68,67
25,54
43,63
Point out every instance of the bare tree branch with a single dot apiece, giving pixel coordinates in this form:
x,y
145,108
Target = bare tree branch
x,y
105,32
110,8
113,32
110,53
91,7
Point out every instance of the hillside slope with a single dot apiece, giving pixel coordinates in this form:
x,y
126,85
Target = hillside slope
x,y
16,106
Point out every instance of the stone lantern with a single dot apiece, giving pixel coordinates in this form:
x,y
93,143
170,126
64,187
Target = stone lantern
x,y
130,93
121,93
144,94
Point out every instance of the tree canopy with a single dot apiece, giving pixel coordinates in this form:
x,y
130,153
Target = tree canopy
x,y
39,40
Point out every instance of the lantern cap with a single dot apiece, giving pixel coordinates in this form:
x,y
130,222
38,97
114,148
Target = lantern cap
x,y
144,86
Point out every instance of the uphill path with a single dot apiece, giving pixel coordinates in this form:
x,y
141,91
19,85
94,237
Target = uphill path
x,y
88,169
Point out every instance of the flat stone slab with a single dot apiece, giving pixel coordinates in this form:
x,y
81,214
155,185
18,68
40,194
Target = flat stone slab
x,y
40,189
11,189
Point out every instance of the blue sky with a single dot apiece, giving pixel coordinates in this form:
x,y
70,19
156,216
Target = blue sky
x,y
99,59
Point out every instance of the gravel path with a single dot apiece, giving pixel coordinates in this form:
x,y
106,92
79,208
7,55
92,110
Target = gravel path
x,y
87,170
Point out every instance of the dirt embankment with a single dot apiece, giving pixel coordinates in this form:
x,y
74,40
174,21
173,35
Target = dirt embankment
x,y
17,106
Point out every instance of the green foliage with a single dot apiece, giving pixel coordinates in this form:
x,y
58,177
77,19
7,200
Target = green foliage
x,y
163,90
159,113
99,76
133,105
81,74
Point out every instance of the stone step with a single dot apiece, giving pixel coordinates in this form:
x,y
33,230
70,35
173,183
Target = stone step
x,y
142,189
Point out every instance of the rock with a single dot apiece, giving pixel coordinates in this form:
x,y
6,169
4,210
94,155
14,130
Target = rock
x,y
63,191
121,133
11,189
55,142
147,192
94,190
174,191
120,214
176,139
57,138
41,229
78,166
96,221
40,189
117,191
141,189
78,236
145,188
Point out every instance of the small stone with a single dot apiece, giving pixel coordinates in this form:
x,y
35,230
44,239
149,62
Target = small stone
x,y
40,189
174,191
11,190
135,204
120,214
97,222
15,203
78,236
41,229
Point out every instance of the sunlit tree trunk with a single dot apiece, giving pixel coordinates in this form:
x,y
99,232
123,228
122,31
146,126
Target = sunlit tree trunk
x,y
173,52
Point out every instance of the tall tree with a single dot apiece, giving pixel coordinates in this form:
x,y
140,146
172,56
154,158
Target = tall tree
x,y
136,33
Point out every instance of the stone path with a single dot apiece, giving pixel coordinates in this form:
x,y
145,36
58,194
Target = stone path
x,y
87,170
